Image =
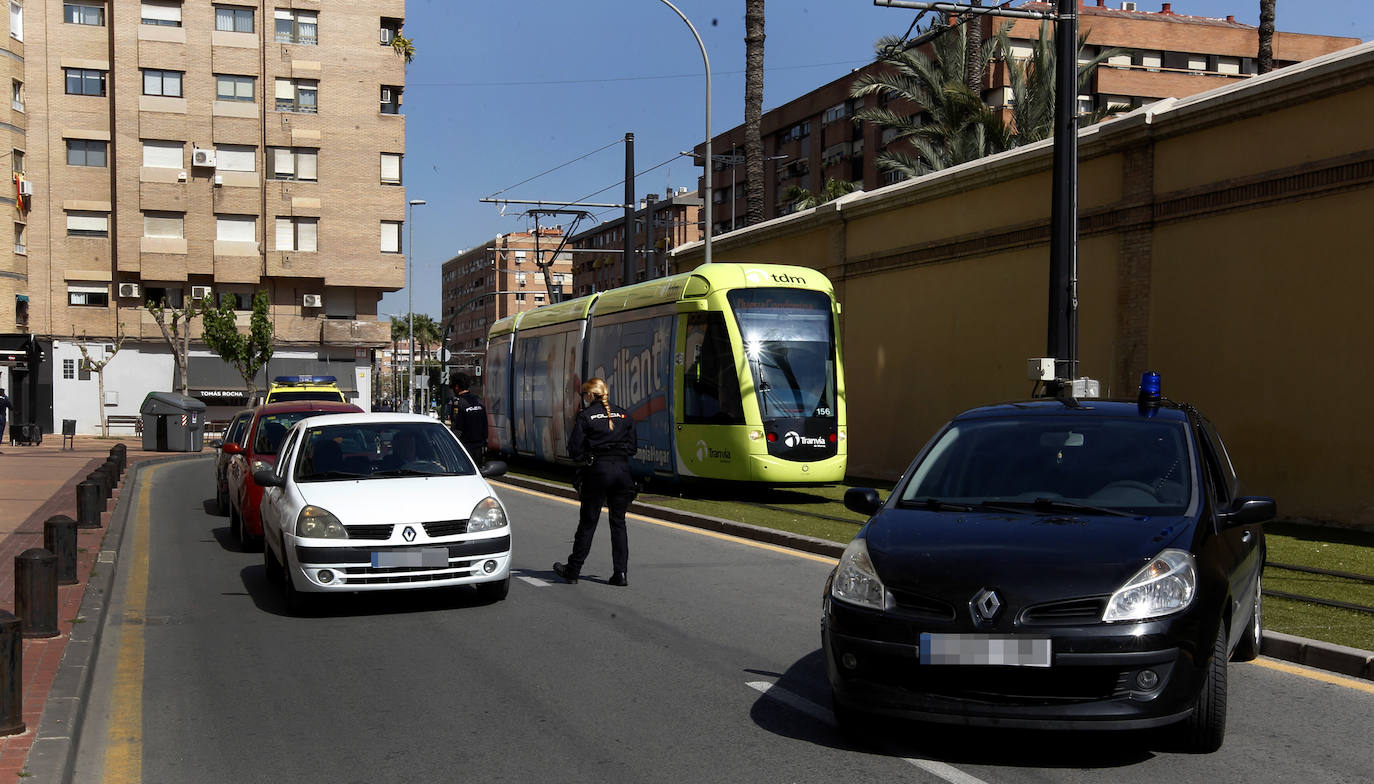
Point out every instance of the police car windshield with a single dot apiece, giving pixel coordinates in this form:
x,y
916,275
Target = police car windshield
x,y
1134,465
789,346
378,450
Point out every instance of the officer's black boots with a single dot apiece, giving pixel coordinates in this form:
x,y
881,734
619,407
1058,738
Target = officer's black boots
x,y
566,572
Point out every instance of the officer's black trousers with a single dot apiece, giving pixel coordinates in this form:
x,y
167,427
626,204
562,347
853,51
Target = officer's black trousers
x,y
607,482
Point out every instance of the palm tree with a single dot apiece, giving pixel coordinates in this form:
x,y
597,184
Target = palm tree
x,y
1266,36
400,331
973,51
955,125
753,111
800,198
1032,85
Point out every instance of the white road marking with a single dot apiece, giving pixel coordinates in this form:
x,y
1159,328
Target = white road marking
x,y
535,581
942,770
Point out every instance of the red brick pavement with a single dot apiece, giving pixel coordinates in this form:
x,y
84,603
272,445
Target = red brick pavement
x,y
38,482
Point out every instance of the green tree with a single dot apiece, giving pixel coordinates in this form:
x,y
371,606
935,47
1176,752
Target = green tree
x,y
247,353
399,334
1032,85
802,199
175,324
954,125
404,47
753,111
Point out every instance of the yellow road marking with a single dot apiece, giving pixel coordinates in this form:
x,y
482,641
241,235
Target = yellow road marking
x,y
693,529
124,736
1317,675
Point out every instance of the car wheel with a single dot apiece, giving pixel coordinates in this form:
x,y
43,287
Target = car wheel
x,y
222,501
1248,649
1204,731
272,566
494,592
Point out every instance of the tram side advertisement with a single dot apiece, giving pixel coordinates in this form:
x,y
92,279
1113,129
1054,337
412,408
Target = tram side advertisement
x,y
634,359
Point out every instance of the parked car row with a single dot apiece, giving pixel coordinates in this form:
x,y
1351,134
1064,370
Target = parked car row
x,y
342,501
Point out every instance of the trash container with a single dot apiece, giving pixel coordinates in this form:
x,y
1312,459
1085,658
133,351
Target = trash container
x,y
172,422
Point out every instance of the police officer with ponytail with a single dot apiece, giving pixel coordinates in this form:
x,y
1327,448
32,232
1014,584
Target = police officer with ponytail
x,y
603,437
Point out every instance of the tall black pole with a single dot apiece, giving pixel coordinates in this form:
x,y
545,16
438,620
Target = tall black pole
x,y
1063,313
630,265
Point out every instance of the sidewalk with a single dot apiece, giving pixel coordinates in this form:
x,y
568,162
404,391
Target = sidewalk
x,y
38,482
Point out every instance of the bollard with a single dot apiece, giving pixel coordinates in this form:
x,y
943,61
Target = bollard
x,y
11,675
59,538
101,477
113,470
35,592
89,504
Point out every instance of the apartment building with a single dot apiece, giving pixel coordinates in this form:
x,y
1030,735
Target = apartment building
x,y
502,276
1161,53
659,225
181,150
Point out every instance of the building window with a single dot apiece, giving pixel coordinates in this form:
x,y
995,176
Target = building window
x,y
293,163
16,21
68,370
234,88
165,83
391,168
162,295
390,29
236,157
297,27
164,13
238,300
83,14
87,152
17,95
391,99
17,161
85,81
19,244
93,295
84,223
236,228
298,95
233,19
520,297
391,236
538,297
298,234
164,225
163,155
21,310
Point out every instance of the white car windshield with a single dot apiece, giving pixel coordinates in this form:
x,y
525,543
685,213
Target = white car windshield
x,y
376,450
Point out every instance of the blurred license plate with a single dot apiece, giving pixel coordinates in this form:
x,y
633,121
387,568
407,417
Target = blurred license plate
x,y
983,649
425,556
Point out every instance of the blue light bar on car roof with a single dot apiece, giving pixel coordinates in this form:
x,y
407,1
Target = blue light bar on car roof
x,y
1151,386
305,379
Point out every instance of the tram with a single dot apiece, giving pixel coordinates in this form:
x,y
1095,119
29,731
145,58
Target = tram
x,y
731,371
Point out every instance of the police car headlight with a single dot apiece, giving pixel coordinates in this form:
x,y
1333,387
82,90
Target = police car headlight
x,y
486,516
316,523
856,581
1166,585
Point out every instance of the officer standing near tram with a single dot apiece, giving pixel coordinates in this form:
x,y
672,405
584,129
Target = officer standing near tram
x,y
603,436
469,419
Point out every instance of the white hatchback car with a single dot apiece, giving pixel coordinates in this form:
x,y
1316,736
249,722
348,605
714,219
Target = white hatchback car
x,y
378,502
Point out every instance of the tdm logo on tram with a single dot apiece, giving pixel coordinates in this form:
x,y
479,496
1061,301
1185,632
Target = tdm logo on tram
x,y
757,275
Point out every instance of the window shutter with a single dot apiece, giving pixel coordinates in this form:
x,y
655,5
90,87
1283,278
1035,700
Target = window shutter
x,y
391,167
163,224
391,237
307,162
285,234
307,230
236,157
80,220
286,90
283,162
236,228
163,155
162,10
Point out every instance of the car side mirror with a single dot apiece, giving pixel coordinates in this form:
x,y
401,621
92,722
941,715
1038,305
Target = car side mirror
x,y
231,448
1250,510
493,468
266,478
215,443
863,500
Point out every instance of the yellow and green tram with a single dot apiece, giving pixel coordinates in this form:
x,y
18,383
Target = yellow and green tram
x,y
731,372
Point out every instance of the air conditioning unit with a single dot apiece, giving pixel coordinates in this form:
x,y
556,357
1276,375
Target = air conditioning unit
x,y
200,292
1128,6
25,188
219,179
311,301
387,35
386,95
128,290
202,157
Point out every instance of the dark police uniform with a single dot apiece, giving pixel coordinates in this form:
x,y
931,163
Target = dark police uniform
x,y
606,480
469,419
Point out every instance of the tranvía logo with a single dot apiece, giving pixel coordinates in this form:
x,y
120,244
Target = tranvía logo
x,y
702,449
704,452
793,439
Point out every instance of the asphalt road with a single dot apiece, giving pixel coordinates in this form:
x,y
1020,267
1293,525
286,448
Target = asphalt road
x,y
706,668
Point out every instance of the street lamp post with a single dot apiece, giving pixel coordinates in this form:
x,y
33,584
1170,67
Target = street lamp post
x,y
410,306
707,62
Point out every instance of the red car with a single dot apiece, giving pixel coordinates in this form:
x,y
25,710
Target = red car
x,y
258,449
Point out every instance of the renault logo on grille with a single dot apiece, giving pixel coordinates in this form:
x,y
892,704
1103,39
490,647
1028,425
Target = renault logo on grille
x,y
408,534
985,605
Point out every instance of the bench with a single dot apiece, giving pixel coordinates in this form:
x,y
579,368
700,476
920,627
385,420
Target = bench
x,y
126,420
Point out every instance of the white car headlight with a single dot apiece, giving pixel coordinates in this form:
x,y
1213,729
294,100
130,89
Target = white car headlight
x,y
486,516
316,523
856,581
1164,586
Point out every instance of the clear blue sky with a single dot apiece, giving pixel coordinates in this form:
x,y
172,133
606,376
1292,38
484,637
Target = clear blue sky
x,y
502,91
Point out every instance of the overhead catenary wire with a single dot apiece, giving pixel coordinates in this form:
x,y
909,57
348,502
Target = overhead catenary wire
x,y
556,168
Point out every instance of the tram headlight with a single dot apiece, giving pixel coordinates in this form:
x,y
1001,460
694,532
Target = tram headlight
x,y
755,435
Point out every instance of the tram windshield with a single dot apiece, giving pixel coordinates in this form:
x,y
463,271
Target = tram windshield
x,y
789,345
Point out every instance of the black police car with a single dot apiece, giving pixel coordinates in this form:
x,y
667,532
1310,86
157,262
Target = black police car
x,y
1055,563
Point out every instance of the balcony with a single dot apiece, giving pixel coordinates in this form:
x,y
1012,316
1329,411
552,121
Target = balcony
x,y
341,332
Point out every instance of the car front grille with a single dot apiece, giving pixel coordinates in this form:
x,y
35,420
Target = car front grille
x,y
376,532
1065,613
997,685
446,528
369,575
